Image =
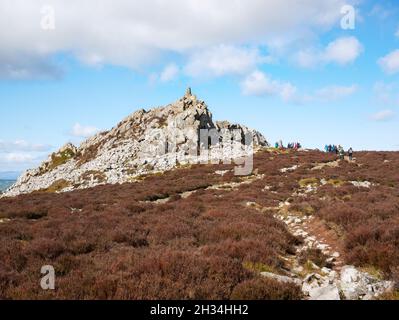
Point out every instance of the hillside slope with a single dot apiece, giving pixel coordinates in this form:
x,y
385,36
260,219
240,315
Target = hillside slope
x,y
303,226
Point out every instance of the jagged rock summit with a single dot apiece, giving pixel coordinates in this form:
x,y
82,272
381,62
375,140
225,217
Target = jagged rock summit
x,y
144,142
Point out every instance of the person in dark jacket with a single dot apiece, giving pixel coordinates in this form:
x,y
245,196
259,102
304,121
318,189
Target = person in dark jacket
x,y
350,154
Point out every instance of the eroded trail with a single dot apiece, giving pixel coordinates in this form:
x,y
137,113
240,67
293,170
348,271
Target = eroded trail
x,y
318,265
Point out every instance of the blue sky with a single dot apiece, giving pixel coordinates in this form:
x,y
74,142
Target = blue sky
x,y
67,70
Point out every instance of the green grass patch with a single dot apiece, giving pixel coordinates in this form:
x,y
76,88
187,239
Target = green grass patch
x,y
57,186
390,295
372,270
336,182
58,159
258,267
308,181
95,175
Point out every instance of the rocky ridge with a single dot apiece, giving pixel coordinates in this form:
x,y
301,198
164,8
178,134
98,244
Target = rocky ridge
x,y
144,142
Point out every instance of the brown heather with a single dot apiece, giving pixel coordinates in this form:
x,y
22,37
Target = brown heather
x,y
117,242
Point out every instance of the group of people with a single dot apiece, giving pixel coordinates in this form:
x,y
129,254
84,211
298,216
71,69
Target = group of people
x,y
294,145
331,148
339,150
291,145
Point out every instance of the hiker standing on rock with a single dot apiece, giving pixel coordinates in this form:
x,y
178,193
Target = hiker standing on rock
x,y
350,154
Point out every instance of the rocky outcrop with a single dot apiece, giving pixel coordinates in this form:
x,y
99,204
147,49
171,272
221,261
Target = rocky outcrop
x,y
144,142
349,284
356,284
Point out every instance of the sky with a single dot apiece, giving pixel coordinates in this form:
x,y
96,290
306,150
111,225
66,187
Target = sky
x,y
313,71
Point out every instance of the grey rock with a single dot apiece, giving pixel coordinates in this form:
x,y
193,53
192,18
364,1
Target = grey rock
x,y
349,274
279,278
327,292
145,142
357,285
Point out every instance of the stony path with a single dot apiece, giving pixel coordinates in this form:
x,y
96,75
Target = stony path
x,y
334,281
227,186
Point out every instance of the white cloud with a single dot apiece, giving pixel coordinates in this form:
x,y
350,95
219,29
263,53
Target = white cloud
x,y
307,58
258,83
383,115
335,92
390,63
18,157
19,161
134,33
169,73
342,51
22,145
224,60
83,131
